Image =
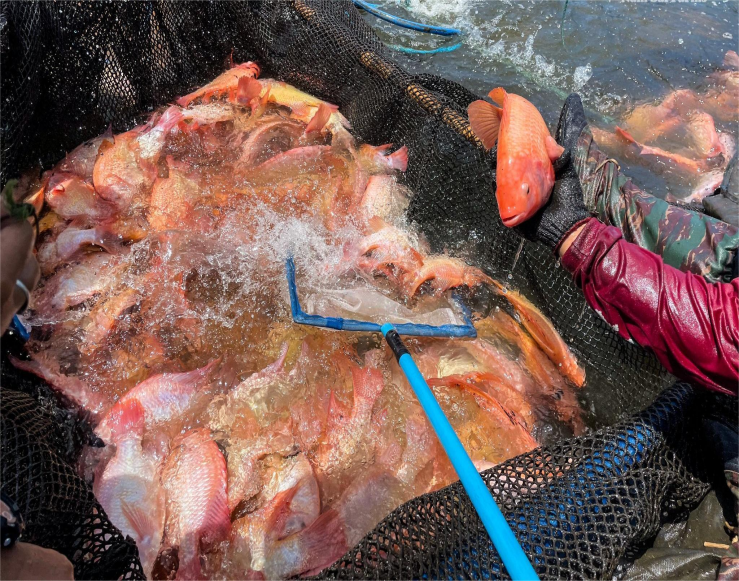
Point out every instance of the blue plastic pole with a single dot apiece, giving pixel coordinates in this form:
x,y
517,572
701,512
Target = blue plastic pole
x,y
506,543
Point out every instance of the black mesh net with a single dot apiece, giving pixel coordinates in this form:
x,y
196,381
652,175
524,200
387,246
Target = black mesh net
x,y
576,507
59,508
71,69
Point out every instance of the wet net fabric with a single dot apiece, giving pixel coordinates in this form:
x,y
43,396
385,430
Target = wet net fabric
x,y
577,507
69,70
59,508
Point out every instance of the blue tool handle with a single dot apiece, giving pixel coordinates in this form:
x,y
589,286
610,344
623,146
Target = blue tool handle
x,y
506,543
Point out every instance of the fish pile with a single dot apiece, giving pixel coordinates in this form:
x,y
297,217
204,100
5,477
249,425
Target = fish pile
x,y
678,136
238,444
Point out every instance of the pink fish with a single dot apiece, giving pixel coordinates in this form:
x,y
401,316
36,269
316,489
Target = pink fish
x,y
226,84
346,434
174,200
506,417
245,454
419,450
444,273
72,197
376,160
164,396
121,174
293,503
195,480
103,318
129,488
383,198
42,365
369,498
81,160
388,251
74,285
69,242
731,59
285,133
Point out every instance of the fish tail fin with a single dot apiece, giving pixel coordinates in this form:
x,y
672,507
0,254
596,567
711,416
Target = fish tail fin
x,y
37,200
319,120
141,522
376,223
324,541
485,122
498,95
399,159
126,417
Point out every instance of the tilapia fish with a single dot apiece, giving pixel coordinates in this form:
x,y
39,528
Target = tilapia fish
x,y
237,444
526,150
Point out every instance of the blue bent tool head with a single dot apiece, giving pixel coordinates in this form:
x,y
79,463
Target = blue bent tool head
x,y
19,329
303,318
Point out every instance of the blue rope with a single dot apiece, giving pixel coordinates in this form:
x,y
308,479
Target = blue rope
x,y
408,50
403,23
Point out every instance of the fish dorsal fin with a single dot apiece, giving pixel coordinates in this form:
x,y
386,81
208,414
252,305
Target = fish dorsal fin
x,y
498,95
554,149
320,118
625,136
485,121
138,519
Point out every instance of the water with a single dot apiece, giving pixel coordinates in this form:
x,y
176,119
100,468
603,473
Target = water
x,y
614,54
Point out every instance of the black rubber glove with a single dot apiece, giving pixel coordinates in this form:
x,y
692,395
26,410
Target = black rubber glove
x,y
565,207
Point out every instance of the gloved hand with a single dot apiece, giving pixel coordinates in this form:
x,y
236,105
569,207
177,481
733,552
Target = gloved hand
x,y
566,206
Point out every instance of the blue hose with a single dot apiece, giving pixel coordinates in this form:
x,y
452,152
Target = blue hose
x,y
515,560
407,50
403,23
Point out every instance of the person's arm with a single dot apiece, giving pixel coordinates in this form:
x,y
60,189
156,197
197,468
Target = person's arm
x,y
691,326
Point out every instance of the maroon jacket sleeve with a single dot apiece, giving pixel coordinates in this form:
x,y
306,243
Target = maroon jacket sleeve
x,y
692,326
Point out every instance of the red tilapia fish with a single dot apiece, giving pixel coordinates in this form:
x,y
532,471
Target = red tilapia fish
x,y
238,444
526,150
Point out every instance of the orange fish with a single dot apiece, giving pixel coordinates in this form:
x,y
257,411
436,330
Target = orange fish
x,y
526,150
545,335
388,251
226,83
444,273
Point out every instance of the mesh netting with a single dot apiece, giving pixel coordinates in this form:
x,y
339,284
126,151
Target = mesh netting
x,y
59,508
576,507
71,69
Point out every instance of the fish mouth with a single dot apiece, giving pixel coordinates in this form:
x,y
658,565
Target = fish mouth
x,y
514,220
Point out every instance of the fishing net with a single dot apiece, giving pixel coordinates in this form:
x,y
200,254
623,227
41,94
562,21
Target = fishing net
x,y
58,507
69,70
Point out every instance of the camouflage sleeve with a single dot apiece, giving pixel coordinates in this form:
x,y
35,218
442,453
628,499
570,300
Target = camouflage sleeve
x,y
687,240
